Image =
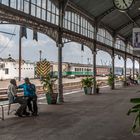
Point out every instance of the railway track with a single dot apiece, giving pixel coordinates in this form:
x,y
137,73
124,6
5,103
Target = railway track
x,y
66,86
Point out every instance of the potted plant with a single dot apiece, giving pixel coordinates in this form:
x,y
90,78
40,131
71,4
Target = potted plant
x,y
87,84
135,109
111,80
49,87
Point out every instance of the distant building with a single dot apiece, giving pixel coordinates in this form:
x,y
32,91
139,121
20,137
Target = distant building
x,y
54,66
9,68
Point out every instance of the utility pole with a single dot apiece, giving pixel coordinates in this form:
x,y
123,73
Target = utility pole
x,y
40,55
81,59
88,61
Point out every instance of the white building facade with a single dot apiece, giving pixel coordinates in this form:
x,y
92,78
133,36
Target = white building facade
x,y
9,68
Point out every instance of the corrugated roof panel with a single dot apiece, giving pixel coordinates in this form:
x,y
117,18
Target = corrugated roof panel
x,y
94,7
113,19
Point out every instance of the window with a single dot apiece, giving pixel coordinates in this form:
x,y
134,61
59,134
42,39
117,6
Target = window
x,y
104,36
119,44
6,71
2,66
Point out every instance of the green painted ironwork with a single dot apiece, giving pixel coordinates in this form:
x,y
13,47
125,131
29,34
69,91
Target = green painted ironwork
x,y
76,73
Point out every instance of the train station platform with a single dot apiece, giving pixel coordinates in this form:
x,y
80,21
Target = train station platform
x,y
81,117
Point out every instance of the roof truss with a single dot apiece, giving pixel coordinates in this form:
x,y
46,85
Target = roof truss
x,y
108,11
128,23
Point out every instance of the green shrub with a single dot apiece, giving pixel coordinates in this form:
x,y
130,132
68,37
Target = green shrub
x,y
88,82
110,79
135,109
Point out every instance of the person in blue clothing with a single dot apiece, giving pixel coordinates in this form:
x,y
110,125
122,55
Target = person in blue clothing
x,y
30,94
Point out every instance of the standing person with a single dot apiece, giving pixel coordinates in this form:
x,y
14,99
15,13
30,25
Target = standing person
x,y
30,94
13,98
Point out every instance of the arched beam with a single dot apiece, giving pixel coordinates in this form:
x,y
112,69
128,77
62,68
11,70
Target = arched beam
x,y
30,22
108,50
120,54
79,40
129,57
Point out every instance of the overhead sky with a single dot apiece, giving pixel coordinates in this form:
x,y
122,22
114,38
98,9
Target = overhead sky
x,y
30,49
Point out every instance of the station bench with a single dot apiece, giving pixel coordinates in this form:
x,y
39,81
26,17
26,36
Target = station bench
x,y
5,103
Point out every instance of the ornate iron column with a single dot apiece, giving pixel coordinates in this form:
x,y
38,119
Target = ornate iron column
x,y
125,60
20,57
60,82
133,67
113,68
113,61
94,69
94,52
60,46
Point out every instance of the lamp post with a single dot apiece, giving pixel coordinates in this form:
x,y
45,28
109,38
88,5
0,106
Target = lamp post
x,y
40,54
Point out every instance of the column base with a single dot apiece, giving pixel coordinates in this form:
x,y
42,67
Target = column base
x,y
60,98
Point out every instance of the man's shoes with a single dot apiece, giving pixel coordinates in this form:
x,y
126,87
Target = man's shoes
x,y
26,113
19,115
34,114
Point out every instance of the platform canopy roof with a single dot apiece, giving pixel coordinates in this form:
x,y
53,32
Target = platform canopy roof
x,y
105,11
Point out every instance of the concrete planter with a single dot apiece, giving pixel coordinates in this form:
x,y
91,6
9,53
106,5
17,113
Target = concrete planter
x,y
51,98
138,81
88,90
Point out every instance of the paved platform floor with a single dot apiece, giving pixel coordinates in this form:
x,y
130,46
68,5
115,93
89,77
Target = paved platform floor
x,y
81,117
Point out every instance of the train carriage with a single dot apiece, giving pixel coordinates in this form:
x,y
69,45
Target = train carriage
x,y
72,70
102,70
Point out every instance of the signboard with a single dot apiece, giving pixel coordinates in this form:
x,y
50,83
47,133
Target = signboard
x,y
43,68
136,40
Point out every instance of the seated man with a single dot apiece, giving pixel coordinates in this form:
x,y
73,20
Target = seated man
x,y
132,80
13,98
30,94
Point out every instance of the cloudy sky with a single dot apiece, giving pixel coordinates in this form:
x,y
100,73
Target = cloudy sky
x,y
30,49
